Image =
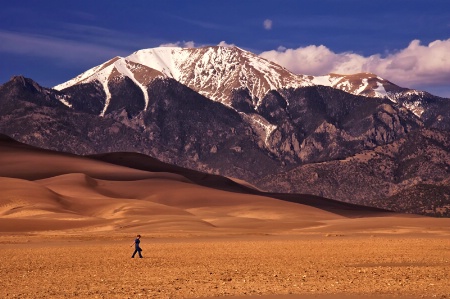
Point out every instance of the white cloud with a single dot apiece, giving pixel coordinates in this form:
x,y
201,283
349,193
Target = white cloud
x,y
417,64
183,44
267,24
225,44
191,44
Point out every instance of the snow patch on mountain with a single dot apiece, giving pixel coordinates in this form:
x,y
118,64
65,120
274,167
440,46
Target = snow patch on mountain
x,y
63,99
260,125
321,80
108,97
415,107
124,67
362,87
167,60
380,91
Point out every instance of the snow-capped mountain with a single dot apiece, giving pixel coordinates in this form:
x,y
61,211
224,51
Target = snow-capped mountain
x,y
117,67
219,72
214,72
365,84
371,85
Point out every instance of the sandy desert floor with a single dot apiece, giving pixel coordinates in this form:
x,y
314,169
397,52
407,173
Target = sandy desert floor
x,y
305,266
67,222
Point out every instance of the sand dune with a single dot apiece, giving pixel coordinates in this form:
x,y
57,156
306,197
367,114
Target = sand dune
x,y
22,161
176,201
104,196
141,192
21,198
66,192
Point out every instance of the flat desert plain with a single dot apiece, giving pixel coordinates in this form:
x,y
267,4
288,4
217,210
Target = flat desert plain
x,y
67,223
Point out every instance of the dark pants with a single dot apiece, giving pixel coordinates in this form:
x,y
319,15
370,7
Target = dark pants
x,y
138,250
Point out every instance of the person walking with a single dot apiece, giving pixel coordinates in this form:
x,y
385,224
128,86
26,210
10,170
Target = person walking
x,y
137,248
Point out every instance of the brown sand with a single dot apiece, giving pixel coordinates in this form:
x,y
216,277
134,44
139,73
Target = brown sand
x,y
66,224
408,266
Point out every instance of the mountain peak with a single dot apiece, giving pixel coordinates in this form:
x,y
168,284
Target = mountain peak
x,y
214,72
19,79
364,84
26,83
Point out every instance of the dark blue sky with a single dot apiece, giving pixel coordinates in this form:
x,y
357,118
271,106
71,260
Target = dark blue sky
x,y
53,41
